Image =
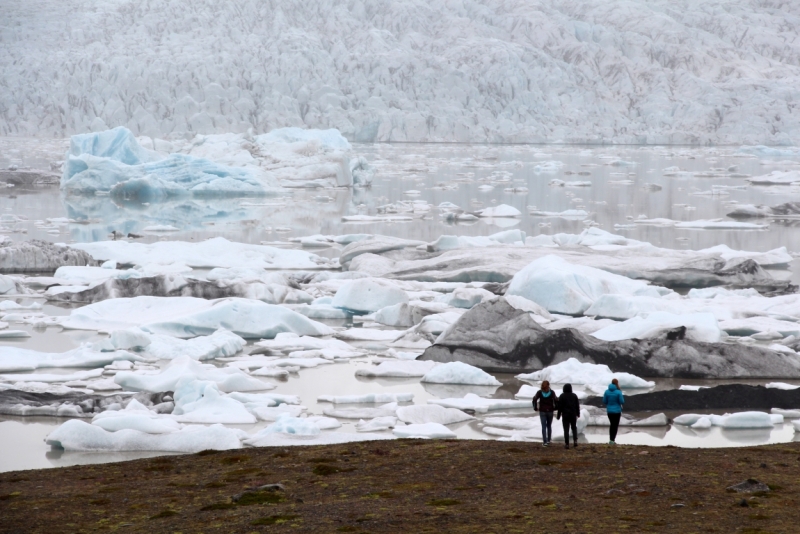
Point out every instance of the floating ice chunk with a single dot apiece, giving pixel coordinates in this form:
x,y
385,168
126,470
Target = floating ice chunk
x,y
424,431
287,424
130,339
187,317
369,334
747,420
527,391
688,419
574,371
228,379
467,297
367,398
571,289
701,327
479,404
776,178
702,423
397,368
198,401
451,242
692,388
528,428
577,215
787,414
76,435
362,413
658,419
720,224
368,295
400,355
376,424
215,252
220,344
501,211
460,373
44,377
18,359
135,416
431,413
781,385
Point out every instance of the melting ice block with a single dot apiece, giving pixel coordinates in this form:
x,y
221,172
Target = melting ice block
x,y
13,359
199,401
574,371
472,401
400,368
431,413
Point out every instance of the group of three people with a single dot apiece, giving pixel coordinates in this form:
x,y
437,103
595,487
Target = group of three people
x,y
568,410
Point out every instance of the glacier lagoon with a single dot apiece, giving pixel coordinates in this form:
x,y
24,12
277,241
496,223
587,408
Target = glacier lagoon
x,y
641,193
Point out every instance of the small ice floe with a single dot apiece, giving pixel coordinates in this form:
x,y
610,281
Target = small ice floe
x,y
184,368
501,211
781,385
777,178
160,228
389,409
569,183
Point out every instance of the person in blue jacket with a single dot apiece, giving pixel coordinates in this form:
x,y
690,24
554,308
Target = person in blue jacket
x,y
613,399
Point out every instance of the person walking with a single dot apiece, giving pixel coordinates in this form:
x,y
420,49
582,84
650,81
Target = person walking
x,y
545,402
569,411
613,399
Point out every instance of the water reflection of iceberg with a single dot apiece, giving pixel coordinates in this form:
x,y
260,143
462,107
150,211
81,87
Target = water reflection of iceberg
x,y
756,436
98,216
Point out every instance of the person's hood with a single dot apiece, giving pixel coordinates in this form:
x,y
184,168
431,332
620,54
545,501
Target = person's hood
x,y
612,387
567,388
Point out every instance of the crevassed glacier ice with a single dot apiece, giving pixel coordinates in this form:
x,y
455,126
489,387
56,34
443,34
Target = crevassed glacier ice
x,y
665,71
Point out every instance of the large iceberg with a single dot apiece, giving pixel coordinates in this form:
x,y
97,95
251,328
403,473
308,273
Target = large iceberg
x,y
571,289
113,162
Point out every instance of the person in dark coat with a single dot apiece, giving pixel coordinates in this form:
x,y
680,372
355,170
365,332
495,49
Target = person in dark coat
x,y
569,411
545,402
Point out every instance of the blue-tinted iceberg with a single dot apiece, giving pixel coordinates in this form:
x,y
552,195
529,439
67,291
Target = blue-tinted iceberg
x,y
114,162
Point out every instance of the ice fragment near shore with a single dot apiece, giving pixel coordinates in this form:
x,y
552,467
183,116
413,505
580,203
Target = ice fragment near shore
x,y
424,431
368,295
460,373
227,378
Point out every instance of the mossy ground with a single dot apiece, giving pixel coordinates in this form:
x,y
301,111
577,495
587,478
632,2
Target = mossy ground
x,y
416,486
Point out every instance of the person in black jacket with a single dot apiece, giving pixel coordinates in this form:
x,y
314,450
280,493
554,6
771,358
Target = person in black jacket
x,y
547,404
570,410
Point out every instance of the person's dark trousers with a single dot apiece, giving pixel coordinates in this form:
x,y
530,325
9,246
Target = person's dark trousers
x,y
570,421
614,419
547,426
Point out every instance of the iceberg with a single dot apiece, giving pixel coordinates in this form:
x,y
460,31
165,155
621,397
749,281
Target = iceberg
x,y
13,359
400,368
113,161
431,413
199,401
563,287
368,295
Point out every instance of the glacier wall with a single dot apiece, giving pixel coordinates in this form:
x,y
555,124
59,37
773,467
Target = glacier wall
x,y
655,71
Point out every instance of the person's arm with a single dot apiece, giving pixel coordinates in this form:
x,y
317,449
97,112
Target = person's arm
x,y
621,398
535,398
577,407
558,409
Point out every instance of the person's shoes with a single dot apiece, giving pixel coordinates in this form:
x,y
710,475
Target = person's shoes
x,y
575,445
566,446
545,444
612,442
